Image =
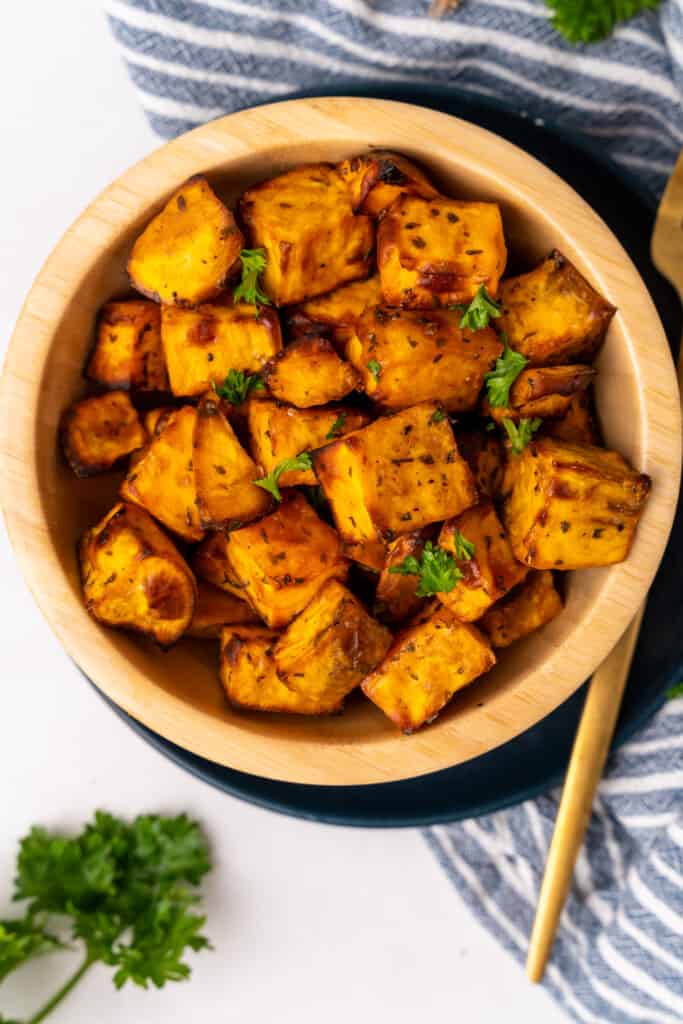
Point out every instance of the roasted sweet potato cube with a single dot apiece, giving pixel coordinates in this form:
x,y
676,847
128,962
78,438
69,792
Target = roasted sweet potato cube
x,y
309,372
490,572
313,240
127,353
155,419
330,647
223,471
187,252
134,578
571,506
536,388
405,356
162,479
334,315
438,252
483,453
552,315
377,179
211,563
202,345
394,476
577,424
250,678
279,432
98,432
525,609
283,560
427,663
216,608
395,597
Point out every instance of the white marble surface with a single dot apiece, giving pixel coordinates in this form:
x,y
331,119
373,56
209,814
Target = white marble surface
x,y
309,922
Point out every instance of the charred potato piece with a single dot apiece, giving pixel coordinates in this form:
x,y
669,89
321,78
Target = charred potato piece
x,y
313,240
333,315
309,372
134,578
98,432
394,476
223,471
217,608
483,453
577,425
438,252
187,252
280,432
211,563
250,678
395,598
284,559
162,479
406,356
329,648
490,572
203,344
524,610
425,666
571,506
379,178
127,353
552,315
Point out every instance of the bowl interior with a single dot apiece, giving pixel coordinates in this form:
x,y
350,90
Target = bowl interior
x,y
177,693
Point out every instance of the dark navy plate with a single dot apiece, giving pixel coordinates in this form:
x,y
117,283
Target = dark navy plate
x,y
537,759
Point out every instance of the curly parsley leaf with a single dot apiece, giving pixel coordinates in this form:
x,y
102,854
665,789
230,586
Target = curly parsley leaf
x,y
374,368
438,416
589,21
337,427
270,483
435,567
249,290
521,433
238,385
21,940
481,309
500,379
464,548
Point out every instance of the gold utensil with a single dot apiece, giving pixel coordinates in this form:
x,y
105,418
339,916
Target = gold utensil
x,y
606,689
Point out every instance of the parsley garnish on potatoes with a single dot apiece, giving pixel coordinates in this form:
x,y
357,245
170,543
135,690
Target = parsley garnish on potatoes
x,y
521,433
435,567
337,427
249,290
500,379
238,385
481,309
270,483
374,368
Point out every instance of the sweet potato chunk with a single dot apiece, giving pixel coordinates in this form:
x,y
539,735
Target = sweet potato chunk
x,y
279,432
309,372
334,315
155,419
127,352
394,476
552,315
203,344
524,610
395,598
577,424
425,666
187,252
490,572
97,432
134,578
284,559
249,674
162,479
377,179
483,453
211,563
329,648
437,252
571,506
217,608
409,356
223,471
543,391
313,240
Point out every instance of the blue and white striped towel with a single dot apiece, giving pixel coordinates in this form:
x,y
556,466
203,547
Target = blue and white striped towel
x,y
619,954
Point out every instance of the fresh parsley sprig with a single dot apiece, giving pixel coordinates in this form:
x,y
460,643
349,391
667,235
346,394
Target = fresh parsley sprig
x,y
521,433
436,568
336,428
249,290
589,21
481,309
375,368
464,548
500,379
127,891
270,483
238,385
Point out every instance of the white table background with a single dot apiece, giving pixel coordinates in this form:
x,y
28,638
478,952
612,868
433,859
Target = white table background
x,y
309,922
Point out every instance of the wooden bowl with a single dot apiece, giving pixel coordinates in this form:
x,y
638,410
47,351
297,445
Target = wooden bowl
x,y
177,694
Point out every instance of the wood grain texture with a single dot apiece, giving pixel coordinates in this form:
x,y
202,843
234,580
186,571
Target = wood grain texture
x,y
177,694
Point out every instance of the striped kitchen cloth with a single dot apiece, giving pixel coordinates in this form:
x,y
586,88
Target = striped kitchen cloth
x,y
619,953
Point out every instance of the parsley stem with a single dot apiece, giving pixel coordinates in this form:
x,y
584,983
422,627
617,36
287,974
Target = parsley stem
x,y
63,992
